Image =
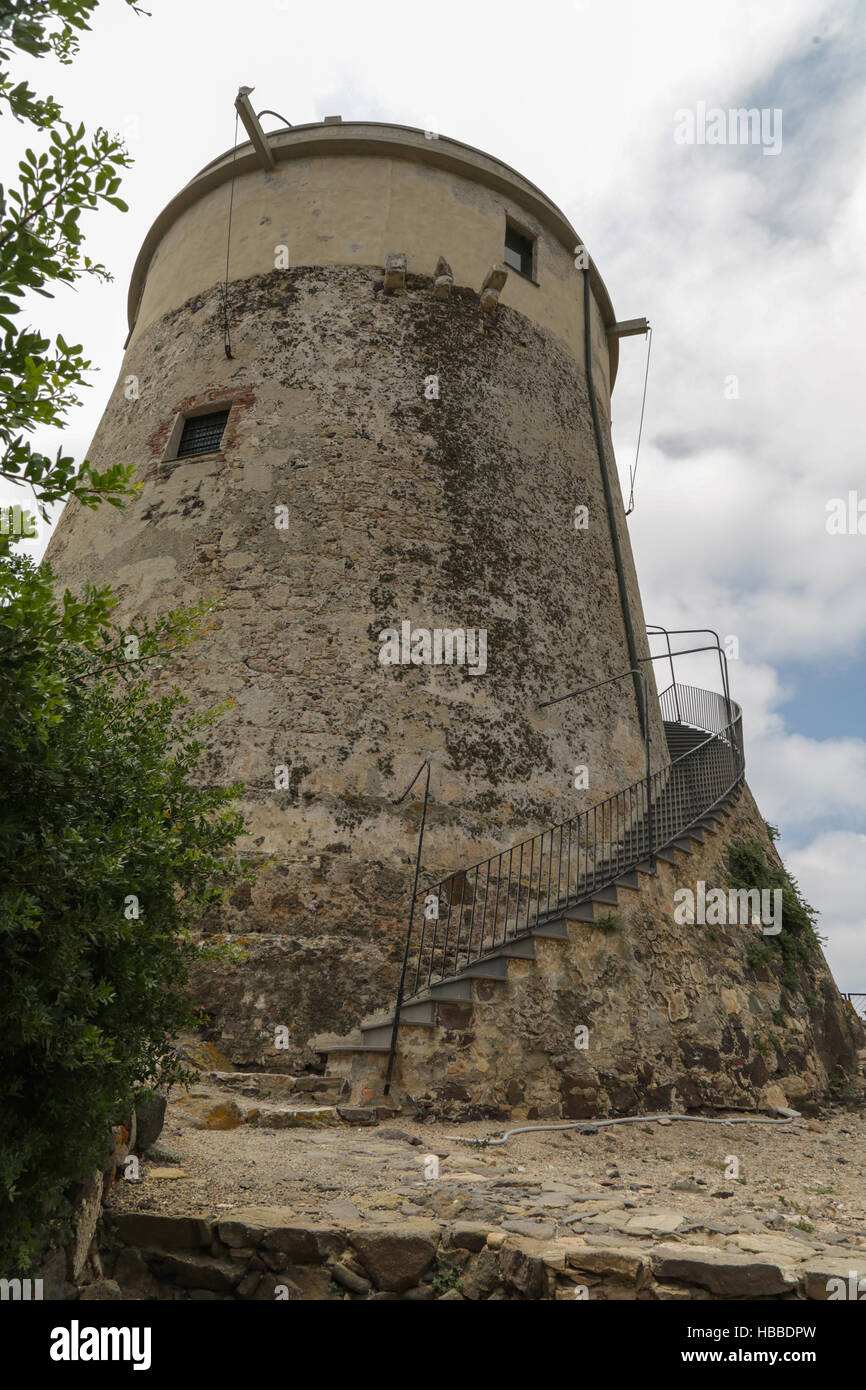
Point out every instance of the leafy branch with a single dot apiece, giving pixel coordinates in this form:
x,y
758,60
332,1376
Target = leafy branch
x,y
41,244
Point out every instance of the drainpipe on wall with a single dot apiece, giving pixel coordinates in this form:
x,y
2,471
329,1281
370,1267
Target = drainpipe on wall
x,y
643,712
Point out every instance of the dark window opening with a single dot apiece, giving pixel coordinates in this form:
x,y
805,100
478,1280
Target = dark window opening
x,y
519,251
202,434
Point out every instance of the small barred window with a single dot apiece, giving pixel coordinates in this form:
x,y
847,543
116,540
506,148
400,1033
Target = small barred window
x,y
202,434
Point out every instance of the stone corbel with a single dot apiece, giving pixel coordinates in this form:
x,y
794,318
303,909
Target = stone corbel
x,y
494,283
395,272
443,279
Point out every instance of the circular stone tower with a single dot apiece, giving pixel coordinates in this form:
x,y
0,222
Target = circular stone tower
x,y
379,444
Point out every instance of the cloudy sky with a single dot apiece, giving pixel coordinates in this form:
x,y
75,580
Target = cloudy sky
x,y
749,266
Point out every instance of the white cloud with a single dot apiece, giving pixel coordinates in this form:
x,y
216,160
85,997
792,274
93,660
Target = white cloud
x,y
801,781
826,872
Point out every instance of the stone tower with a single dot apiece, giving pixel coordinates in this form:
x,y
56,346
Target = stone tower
x,y
383,442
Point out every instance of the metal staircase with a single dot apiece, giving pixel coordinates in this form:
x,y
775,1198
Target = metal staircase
x,y
466,926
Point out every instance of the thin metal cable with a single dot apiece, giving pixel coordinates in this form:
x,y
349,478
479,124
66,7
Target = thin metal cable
x,y
640,427
590,1126
227,344
278,116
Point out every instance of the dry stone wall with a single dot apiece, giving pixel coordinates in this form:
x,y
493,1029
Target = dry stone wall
x,y
263,1254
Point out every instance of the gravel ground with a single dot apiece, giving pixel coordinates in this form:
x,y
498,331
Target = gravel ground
x,y
806,1178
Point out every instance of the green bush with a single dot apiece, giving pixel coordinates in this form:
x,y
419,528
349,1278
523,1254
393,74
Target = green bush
x,y
447,1280
750,867
110,852
607,924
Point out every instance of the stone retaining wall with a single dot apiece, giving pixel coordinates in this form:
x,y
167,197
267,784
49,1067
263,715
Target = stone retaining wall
x,y
268,1254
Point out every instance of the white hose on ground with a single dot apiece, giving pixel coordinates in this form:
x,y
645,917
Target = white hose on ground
x,y
589,1126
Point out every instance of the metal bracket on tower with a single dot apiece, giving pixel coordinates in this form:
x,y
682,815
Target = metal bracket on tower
x,y
254,130
628,328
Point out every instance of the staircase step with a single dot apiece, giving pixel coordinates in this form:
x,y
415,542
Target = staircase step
x,y
243,1081
460,990
413,1011
421,1011
358,1114
494,969
605,895
629,880
522,949
552,931
667,855
583,912
685,845
278,1085
333,1086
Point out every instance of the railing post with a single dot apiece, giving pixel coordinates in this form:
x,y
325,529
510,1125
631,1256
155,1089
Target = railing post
x,y
674,678
649,790
393,1050
654,630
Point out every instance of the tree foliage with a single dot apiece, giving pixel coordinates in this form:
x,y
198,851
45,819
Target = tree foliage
x,y
111,852
110,848
750,867
41,245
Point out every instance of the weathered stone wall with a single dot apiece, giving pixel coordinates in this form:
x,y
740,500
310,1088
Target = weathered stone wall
x,y
448,512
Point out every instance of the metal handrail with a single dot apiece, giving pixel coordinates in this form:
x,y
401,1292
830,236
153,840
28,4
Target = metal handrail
x,y
656,629
472,912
